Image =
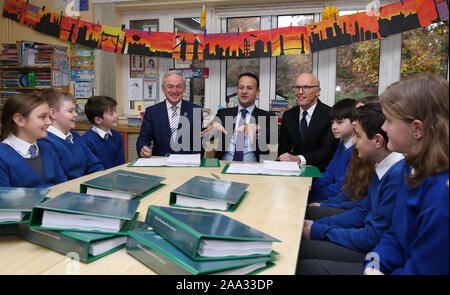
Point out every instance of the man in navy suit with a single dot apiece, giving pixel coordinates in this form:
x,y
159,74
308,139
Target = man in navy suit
x,y
305,132
246,134
172,126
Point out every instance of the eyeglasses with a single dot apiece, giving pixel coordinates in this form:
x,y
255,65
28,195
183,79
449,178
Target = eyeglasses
x,y
305,88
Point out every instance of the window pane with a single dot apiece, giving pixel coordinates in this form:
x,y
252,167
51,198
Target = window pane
x,y
235,67
425,50
195,88
292,65
357,68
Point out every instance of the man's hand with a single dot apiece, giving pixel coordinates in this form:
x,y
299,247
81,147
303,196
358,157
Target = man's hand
x,y
146,152
250,130
307,229
286,157
213,127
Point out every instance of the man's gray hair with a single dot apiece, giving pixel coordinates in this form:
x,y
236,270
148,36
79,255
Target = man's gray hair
x,y
169,73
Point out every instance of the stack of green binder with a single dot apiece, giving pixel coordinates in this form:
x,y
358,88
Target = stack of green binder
x,y
88,246
122,184
88,213
188,241
16,205
209,193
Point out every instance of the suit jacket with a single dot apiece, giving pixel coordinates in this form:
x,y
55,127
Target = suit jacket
x,y
261,144
320,144
156,127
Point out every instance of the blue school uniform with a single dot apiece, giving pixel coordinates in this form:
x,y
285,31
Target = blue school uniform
x,y
417,242
341,201
330,184
76,159
16,172
108,150
361,228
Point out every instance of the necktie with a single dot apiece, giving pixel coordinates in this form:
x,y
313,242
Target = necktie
x,y
106,136
33,151
239,148
173,123
69,138
303,127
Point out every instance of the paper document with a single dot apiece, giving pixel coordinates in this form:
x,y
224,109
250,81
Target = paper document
x,y
107,193
245,168
11,216
222,248
202,203
280,168
54,219
145,162
103,246
172,160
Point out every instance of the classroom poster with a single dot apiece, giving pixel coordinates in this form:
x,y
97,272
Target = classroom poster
x,y
150,88
135,89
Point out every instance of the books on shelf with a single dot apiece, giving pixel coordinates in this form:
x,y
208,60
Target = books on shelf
x,y
88,246
9,55
188,229
16,203
209,193
122,184
157,253
82,212
38,54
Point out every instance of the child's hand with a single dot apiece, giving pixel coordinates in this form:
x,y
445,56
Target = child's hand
x,y
307,229
314,205
372,271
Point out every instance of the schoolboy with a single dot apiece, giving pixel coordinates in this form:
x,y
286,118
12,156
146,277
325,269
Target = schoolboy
x,y
103,141
348,236
331,183
75,157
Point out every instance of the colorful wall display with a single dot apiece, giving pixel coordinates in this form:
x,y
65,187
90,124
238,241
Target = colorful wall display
x,y
342,30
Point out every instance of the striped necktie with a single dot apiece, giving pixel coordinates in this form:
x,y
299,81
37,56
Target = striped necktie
x,y
174,119
33,151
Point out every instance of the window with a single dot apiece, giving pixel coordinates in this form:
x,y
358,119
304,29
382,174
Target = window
x,y
425,50
195,87
357,68
235,67
290,66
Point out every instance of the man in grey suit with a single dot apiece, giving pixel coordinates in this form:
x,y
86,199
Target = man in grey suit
x,y
305,132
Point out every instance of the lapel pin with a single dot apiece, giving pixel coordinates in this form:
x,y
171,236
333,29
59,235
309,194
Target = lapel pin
x,y
185,114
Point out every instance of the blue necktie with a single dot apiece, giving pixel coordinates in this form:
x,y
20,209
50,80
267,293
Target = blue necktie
x,y
33,151
239,148
303,127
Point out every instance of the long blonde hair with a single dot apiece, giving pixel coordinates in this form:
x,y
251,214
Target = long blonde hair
x,y
424,97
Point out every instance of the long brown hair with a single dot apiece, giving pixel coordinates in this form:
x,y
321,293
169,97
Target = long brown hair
x,y
424,97
22,103
358,177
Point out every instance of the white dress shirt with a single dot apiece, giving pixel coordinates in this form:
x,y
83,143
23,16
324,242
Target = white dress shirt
x,y
20,146
310,112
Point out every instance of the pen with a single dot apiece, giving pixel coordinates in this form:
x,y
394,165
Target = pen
x,y
215,176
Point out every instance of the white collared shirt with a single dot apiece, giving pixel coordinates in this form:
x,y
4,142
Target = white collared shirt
x,y
348,144
382,167
169,110
58,133
20,146
101,132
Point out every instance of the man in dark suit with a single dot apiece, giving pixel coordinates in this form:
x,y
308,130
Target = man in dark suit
x,y
246,134
172,126
305,133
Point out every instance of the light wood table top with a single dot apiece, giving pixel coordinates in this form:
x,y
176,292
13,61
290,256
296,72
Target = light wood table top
x,y
274,204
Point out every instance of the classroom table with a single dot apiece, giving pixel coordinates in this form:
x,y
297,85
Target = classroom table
x,y
274,204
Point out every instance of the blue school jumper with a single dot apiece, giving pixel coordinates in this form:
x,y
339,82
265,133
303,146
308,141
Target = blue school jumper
x,y
417,242
341,201
330,184
361,228
109,151
16,172
76,159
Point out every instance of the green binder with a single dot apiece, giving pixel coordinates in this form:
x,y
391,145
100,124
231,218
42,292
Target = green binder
x,y
138,185
227,194
307,171
69,241
88,205
188,229
20,200
164,258
205,162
